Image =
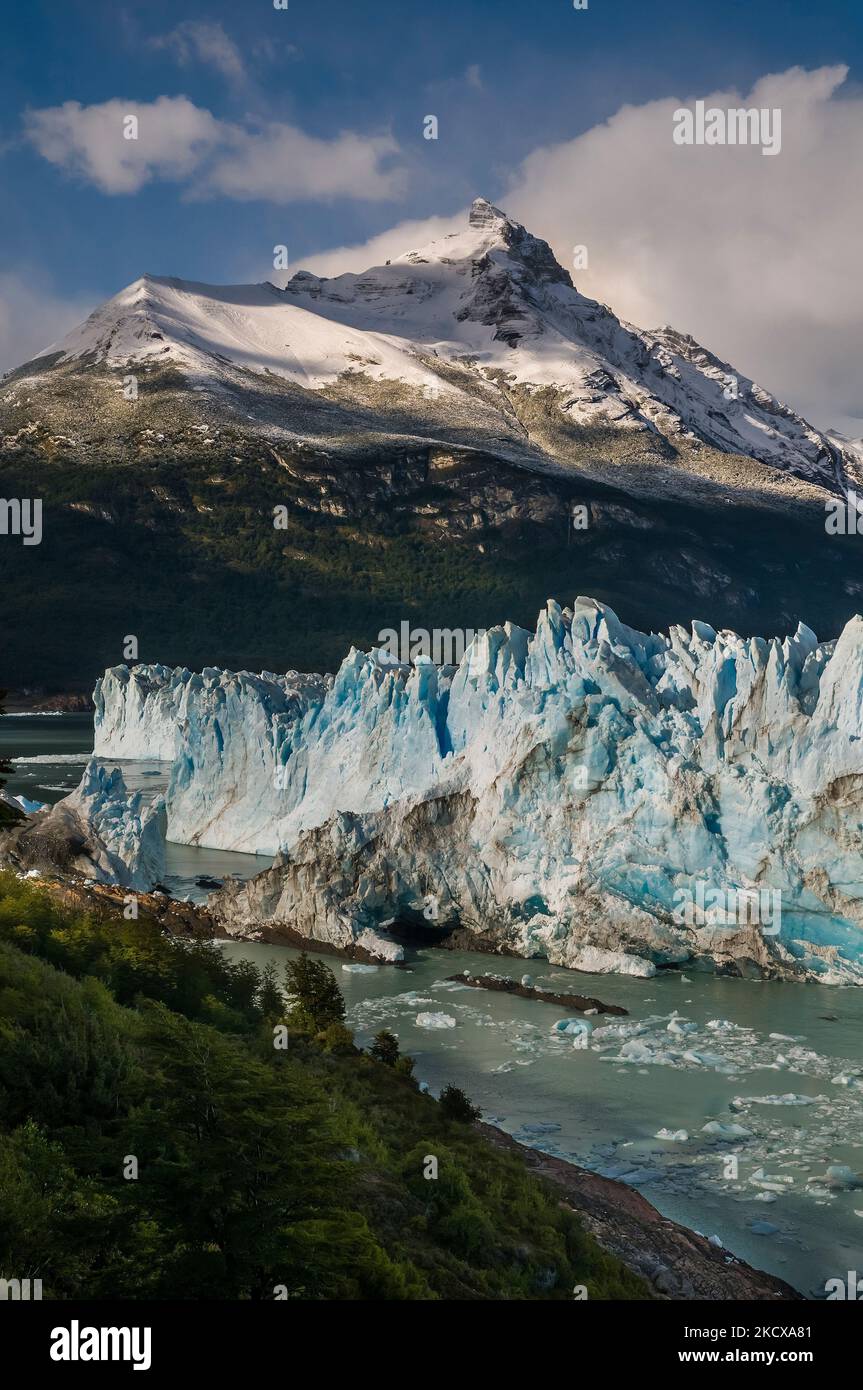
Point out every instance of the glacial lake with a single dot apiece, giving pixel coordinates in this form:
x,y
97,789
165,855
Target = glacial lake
x,y
759,1056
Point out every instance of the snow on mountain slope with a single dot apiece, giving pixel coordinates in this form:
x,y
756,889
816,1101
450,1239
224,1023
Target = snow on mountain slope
x,y
488,306
558,792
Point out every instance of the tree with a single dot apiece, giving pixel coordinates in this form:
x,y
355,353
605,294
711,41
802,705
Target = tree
x,y
269,1000
9,815
314,993
385,1048
239,1164
455,1105
337,1038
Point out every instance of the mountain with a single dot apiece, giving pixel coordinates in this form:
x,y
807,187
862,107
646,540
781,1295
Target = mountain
x,y
458,340
429,425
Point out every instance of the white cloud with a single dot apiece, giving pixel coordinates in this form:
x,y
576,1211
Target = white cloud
x,y
179,141
756,258
280,163
204,42
406,236
173,137
32,315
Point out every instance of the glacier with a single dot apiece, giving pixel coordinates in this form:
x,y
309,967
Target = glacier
x,y
100,832
552,795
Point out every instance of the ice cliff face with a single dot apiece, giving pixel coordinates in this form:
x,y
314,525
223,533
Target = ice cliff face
x,y
565,792
101,832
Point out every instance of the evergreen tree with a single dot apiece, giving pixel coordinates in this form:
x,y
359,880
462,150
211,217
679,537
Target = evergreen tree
x,y
314,993
455,1105
385,1048
270,1000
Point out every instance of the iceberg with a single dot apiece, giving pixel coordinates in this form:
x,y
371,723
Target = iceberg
x,y
562,793
572,1027
431,1020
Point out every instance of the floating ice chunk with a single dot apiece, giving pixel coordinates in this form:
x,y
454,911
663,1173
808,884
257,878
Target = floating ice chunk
x,y
710,1059
782,1037
573,1027
357,969
764,1197
775,1182
526,981
639,1051
763,1228
618,1032
788,1099
838,1177
676,1136
714,1240
725,1130
848,1078
435,1021
680,1026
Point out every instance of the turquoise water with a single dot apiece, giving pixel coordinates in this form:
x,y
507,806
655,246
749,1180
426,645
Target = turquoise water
x,y
605,1112
779,1212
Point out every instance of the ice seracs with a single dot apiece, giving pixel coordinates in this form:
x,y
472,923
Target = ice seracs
x,y
553,794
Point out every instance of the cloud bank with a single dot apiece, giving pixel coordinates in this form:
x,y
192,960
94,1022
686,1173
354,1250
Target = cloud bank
x,y
756,258
177,141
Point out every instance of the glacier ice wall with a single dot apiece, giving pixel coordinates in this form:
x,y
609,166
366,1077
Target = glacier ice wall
x,y
129,830
555,793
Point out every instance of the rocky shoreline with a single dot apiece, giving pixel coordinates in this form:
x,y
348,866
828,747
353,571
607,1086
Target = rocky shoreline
x,y
679,1264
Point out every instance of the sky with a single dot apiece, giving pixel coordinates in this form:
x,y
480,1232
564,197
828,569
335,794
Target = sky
x,y
304,127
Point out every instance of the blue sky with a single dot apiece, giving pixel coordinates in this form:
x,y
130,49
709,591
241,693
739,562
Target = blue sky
x,y
505,79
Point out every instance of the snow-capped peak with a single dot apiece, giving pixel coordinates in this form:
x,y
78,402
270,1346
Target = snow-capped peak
x,y
456,319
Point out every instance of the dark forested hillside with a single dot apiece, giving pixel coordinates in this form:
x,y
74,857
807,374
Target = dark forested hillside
x,y
156,1142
